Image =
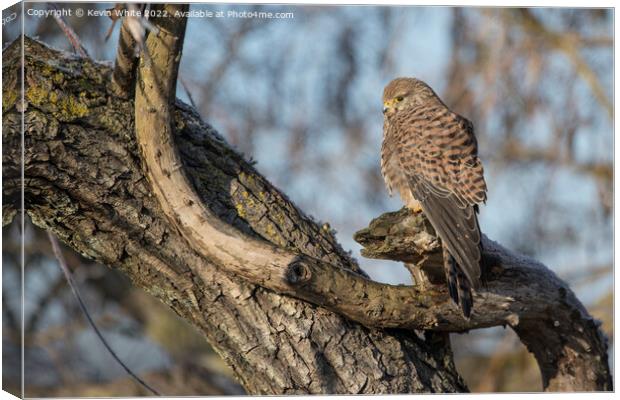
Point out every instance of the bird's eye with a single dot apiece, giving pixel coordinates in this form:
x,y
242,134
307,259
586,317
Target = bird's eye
x,y
399,98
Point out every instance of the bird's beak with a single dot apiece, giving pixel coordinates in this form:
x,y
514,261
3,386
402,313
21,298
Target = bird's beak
x,y
386,106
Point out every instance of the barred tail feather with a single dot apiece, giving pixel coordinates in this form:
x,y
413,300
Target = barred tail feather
x,y
451,275
464,290
458,284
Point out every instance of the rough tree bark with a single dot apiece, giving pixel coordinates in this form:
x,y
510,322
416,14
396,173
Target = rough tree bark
x,y
84,182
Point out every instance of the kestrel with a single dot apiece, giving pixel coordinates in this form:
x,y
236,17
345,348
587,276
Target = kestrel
x,y
429,155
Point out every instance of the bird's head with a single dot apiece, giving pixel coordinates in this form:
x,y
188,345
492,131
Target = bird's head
x,y
405,93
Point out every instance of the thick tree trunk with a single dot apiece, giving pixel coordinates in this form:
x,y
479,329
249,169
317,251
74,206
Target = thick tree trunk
x,y
84,182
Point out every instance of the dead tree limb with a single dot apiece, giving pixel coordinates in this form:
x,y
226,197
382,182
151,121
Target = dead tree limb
x,y
520,292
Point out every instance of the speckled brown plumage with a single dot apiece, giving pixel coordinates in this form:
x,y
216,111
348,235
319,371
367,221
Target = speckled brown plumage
x,y
429,156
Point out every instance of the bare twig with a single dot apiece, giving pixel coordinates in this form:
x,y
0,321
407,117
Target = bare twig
x,y
73,38
114,17
78,297
189,93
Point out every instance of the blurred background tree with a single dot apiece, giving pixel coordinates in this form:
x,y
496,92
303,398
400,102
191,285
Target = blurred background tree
x,y
302,97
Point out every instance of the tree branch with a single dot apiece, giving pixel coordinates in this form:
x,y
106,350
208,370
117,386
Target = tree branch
x,y
84,182
520,292
123,77
73,38
76,293
255,259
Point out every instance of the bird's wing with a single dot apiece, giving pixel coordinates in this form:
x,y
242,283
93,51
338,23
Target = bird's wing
x,y
447,157
457,226
439,157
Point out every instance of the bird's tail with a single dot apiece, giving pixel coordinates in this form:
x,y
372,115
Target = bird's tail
x,y
458,284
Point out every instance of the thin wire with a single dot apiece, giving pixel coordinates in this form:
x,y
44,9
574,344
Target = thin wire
x,y
76,293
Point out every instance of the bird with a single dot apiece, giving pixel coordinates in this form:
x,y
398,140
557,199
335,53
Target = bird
x,y
429,155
